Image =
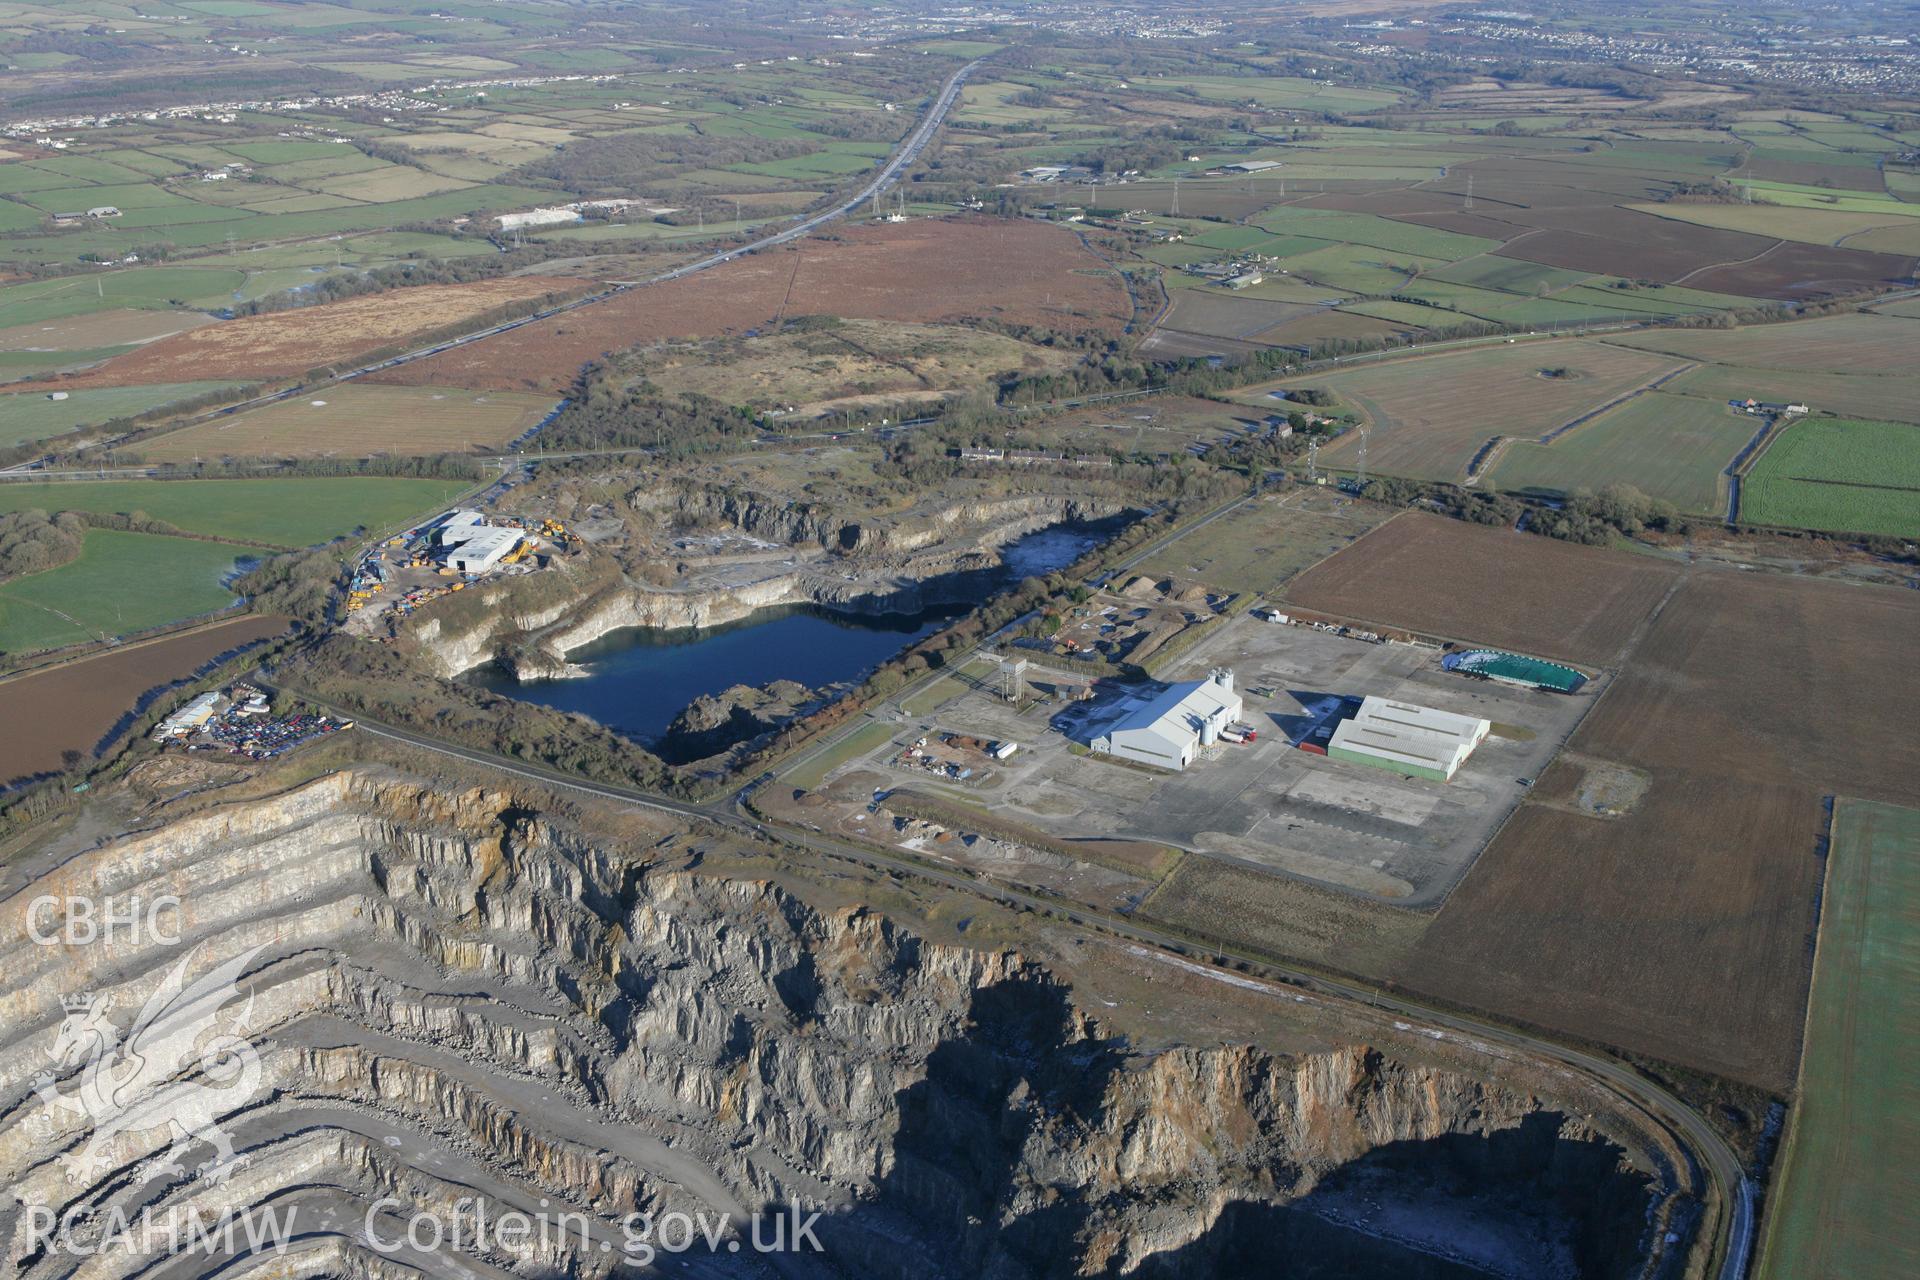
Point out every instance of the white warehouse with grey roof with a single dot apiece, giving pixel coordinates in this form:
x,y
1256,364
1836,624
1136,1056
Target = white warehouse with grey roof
x,y
1169,729
473,545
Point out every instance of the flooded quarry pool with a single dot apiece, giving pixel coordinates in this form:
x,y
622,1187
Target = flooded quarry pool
x,y
637,679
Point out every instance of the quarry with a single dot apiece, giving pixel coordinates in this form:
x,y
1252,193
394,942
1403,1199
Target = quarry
x,y
1163,642
437,994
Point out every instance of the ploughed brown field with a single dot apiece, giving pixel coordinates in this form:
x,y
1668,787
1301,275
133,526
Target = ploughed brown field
x,y
1852,342
1622,242
285,344
1330,324
1018,272
1565,213
1487,586
1682,930
73,706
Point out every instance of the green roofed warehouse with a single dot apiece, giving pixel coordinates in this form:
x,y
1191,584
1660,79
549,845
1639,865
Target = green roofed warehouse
x,y
1419,742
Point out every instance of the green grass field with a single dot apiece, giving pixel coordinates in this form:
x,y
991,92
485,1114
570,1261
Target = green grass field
x,y
815,768
1429,415
1666,446
43,300
1357,268
1840,475
1887,397
927,700
1554,312
1274,91
1263,544
294,512
29,415
121,583
1850,1174
1489,271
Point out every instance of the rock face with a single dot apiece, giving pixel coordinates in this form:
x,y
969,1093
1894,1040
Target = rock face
x,y
950,555
714,723
528,663
452,999
791,523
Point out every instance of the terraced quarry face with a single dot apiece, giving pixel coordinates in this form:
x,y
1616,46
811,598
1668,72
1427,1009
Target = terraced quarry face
x,y
408,1011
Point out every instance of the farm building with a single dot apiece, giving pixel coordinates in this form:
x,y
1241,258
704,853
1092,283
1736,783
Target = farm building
x,y
1398,736
1250,166
1169,729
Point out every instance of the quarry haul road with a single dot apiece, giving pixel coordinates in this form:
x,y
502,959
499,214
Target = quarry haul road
x,y
1734,1232
904,155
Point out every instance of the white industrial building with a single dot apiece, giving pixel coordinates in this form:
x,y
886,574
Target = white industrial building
x,y
188,718
483,548
1398,736
457,526
558,215
1169,730
473,545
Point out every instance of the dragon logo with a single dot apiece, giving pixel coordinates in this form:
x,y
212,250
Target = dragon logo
x,y
148,1082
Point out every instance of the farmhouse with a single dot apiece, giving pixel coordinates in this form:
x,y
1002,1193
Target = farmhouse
x,y
1169,729
1402,738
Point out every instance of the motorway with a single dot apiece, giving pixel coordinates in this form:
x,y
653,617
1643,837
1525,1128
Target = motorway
x,y
908,152
1689,1131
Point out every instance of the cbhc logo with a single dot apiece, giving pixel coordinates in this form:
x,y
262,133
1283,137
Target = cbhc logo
x,y
76,921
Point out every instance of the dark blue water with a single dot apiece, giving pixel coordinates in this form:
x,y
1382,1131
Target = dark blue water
x,y
640,678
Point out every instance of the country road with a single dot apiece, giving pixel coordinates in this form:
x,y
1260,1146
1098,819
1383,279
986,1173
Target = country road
x,y
1734,1229
903,156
